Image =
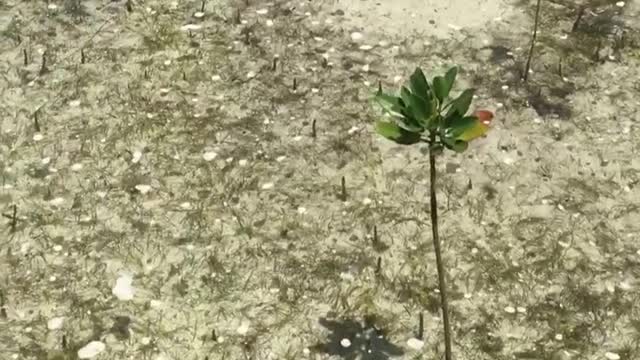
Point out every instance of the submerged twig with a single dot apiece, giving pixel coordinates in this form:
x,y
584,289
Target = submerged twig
x,y
525,76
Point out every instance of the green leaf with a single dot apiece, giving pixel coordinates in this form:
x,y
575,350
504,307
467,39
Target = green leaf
x,y
455,123
419,108
461,104
451,118
465,128
442,85
419,84
460,146
473,132
397,109
388,129
389,103
415,112
409,124
405,95
440,88
450,77
455,145
397,134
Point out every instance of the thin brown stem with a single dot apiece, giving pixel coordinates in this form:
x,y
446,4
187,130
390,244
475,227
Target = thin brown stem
x,y
436,246
533,43
576,24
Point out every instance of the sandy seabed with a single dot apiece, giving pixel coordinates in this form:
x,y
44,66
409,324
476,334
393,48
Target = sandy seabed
x,y
169,193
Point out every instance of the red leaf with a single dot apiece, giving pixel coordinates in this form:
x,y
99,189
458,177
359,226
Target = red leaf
x,y
485,116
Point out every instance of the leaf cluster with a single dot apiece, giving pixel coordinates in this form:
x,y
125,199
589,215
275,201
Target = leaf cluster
x,y
424,112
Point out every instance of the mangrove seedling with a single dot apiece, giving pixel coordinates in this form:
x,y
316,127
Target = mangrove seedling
x,y
424,113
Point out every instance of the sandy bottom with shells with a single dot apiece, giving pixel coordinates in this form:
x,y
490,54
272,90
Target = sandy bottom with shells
x,y
171,181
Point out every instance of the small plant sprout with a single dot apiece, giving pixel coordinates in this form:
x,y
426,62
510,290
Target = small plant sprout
x,y
560,68
236,18
425,113
43,68
378,245
343,189
13,218
374,240
576,23
36,121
